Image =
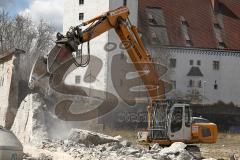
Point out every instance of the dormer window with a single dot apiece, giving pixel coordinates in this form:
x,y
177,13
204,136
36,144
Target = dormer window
x,y
184,28
183,21
151,19
154,37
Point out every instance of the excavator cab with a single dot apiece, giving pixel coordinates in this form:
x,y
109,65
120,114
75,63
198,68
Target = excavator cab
x,y
180,122
176,125
182,128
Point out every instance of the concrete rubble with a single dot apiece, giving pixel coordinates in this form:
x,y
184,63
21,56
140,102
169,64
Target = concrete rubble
x,y
87,145
89,138
29,125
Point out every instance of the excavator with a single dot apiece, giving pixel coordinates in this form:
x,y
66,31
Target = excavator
x,y
169,121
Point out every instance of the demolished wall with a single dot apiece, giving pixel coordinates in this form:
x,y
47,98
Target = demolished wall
x,y
10,82
30,121
36,121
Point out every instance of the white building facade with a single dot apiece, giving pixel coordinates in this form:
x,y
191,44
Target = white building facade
x,y
204,76
75,12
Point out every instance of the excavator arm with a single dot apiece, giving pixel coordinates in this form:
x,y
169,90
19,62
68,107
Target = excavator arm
x,y
118,20
161,114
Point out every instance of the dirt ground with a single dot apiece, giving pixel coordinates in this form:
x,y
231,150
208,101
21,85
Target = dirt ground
x,y
227,143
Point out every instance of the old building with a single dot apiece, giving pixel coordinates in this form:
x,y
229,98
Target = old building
x,y
204,24
11,82
204,76
75,12
200,42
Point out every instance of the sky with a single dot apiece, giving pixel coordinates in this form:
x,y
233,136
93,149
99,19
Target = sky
x,y
49,10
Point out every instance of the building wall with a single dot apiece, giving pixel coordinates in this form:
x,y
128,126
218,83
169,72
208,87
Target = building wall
x,y
199,15
226,77
113,37
200,28
91,9
103,79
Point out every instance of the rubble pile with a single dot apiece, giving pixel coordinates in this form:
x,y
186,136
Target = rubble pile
x,y
30,123
86,145
89,138
42,156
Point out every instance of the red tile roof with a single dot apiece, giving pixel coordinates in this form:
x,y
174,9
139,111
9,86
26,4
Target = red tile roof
x,y
199,15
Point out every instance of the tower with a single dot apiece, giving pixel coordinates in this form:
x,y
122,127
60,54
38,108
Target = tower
x,y
75,12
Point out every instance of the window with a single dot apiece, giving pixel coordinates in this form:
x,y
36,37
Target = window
x,y
189,43
156,23
151,20
173,62
81,2
206,132
184,29
221,45
158,36
155,16
187,116
77,79
191,62
218,21
200,84
191,83
176,120
199,63
216,65
183,21
218,33
125,2
217,25
154,37
81,16
174,84
215,85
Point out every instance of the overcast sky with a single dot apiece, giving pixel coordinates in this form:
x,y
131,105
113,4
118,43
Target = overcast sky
x,y
49,10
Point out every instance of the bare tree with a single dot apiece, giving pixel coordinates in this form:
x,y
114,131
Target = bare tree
x,y
21,33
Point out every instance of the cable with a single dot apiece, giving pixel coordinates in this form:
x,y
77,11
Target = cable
x,y
90,29
86,63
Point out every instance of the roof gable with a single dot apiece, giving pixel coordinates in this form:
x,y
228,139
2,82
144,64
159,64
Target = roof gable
x,y
195,72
